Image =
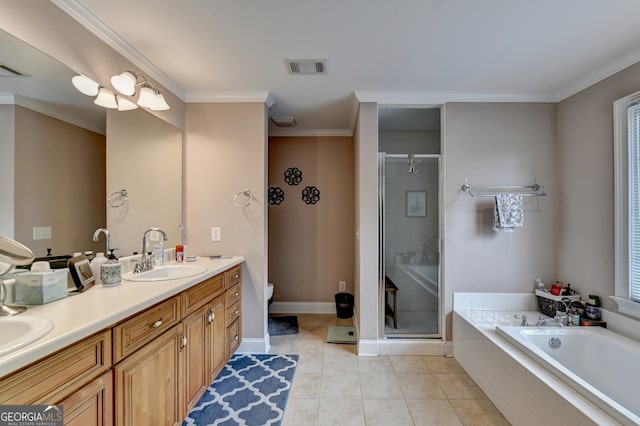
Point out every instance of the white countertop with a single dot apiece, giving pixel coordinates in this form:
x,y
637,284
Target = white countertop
x,y
83,314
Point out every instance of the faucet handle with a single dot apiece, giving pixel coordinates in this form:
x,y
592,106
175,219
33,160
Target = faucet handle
x,y
524,322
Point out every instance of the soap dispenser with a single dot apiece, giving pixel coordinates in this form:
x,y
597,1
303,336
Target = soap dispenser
x,y
111,271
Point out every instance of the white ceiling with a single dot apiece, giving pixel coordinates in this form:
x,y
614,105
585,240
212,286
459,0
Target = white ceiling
x,y
393,52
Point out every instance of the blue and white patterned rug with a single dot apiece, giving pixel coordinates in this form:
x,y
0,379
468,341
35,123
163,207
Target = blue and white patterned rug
x,y
250,390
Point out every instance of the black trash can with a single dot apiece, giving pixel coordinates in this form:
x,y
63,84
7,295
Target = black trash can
x,y
344,305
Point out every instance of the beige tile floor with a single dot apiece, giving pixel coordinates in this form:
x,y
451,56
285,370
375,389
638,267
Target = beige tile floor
x,y
333,386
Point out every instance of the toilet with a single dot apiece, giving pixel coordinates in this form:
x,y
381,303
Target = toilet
x,y
269,293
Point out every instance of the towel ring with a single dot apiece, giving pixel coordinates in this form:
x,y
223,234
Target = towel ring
x,y
118,198
248,198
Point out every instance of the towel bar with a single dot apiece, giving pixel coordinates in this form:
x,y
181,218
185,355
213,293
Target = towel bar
x,y
535,190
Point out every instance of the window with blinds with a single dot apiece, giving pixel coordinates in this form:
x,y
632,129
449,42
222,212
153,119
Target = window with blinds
x,y
633,182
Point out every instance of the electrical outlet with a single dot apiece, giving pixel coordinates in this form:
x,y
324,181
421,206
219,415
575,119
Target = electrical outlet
x,y
216,233
342,285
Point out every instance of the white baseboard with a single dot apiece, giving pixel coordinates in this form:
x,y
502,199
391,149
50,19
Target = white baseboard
x,y
253,346
434,347
448,349
302,308
368,348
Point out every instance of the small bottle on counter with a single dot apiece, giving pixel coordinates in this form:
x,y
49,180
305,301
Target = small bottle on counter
x,y
96,263
179,253
111,271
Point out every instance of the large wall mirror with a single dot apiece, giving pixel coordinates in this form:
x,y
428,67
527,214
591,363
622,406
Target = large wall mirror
x,y
61,157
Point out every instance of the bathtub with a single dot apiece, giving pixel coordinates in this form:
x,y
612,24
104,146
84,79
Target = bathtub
x,y
601,365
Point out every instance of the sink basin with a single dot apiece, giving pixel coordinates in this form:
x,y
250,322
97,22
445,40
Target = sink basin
x,y
19,331
165,272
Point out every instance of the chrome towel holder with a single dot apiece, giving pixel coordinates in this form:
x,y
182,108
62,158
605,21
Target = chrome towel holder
x,y
243,198
118,198
533,190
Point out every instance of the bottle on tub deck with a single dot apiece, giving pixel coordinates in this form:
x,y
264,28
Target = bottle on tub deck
x,y
111,271
96,263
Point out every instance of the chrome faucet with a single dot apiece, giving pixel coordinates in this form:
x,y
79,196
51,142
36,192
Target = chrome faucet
x,y
106,233
542,321
146,261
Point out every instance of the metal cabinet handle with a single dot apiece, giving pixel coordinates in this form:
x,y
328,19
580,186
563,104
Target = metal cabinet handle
x,y
236,312
236,294
154,325
235,338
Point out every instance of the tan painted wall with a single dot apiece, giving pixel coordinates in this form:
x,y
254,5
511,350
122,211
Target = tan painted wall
x,y
225,152
366,211
144,156
7,167
585,169
311,245
59,182
498,144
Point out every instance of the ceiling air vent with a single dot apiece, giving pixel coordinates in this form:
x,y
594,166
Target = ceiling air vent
x,y
306,66
5,71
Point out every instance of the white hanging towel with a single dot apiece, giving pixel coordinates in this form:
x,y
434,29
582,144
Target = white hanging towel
x,y
508,213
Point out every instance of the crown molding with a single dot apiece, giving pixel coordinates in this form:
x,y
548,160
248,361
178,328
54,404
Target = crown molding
x,y
49,110
231,96
113,40
425,99
600,74
293,132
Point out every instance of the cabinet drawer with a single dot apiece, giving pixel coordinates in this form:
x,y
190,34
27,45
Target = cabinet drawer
x,y
234,294
233,312
200,294
233,337
59,375
135,332
234,275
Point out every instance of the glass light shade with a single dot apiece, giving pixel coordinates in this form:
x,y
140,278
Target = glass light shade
x,y
124,83
147,97
125,104
106,98
85,85
159,103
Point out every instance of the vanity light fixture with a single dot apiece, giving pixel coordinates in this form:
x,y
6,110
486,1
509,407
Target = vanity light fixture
x,y
149,97
125,83
125,104
85,85
106,98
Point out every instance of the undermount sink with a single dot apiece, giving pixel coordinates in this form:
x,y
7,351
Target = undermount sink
x,y
165,272
20,331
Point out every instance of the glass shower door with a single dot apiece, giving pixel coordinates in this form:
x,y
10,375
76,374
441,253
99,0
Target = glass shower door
x,y
410,241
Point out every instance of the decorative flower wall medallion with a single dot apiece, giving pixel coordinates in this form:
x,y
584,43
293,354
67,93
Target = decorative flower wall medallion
x,y
293,176
276,195
311,195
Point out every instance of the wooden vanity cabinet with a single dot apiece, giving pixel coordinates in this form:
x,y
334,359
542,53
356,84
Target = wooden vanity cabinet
x,y
175,369
205,350
148,383
149,369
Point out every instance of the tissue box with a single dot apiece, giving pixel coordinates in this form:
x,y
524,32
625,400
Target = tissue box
x,y
38,288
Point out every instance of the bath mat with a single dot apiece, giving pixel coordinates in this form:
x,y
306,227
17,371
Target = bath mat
x,y
251,390
279,326
341,334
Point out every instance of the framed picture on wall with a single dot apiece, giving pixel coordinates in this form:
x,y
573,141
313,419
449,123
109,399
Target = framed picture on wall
x,y
416,203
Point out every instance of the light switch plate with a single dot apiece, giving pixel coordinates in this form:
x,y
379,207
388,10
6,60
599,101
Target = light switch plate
x,y
41,232
216,233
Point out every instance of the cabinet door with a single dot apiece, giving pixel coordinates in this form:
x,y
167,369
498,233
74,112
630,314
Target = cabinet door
x,y
196,327
216,339
148,383
92,405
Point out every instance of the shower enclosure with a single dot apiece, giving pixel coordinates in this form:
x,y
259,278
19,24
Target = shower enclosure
x,y
409,221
